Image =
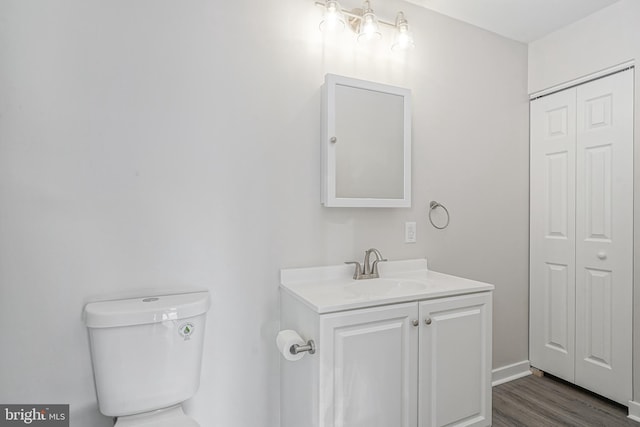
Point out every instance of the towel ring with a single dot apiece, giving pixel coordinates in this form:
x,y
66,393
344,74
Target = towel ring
x,y
433,205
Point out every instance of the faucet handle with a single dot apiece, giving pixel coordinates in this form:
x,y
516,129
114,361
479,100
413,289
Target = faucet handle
x,y
375,266
358,273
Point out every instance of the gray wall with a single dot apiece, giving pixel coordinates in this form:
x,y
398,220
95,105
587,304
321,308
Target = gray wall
x,y
600,41
154,144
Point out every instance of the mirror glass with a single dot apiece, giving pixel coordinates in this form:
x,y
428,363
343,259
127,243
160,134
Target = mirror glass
x,y
369,150
366,144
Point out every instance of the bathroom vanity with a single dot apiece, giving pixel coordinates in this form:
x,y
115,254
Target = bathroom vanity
x,y
411,348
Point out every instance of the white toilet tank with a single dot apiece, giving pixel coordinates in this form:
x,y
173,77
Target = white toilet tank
x,y
146,352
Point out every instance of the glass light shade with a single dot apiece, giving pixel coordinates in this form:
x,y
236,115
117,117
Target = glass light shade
x,y
403,39
333,19
369,27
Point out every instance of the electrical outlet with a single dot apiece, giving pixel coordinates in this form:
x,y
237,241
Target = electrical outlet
x,y
409,232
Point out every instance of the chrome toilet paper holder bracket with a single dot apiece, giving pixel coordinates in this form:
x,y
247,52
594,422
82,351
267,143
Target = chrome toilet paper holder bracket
x,y
310,346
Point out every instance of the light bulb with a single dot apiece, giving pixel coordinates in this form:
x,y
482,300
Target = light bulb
x,y
333,19
403,39
369,28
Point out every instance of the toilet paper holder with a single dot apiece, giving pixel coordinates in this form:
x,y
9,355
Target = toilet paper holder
x,y
310,346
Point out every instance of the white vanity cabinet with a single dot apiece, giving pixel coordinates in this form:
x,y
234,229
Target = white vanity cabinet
x,y
424,362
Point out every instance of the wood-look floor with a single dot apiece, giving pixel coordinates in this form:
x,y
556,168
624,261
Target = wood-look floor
x,y
550,402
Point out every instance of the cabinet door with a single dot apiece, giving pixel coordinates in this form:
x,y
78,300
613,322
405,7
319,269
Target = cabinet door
x,y
366,144
552,234
604,236
455,362
369,367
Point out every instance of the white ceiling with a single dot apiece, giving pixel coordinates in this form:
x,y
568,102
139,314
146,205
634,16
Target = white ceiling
x,y
522,20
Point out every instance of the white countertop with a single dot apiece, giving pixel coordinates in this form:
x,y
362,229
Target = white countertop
x,y
332,288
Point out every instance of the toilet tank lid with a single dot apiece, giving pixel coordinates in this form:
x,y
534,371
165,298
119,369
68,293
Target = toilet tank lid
x,y
143,310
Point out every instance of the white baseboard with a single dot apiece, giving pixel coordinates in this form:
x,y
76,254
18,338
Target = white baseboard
x,y
634,411
510,373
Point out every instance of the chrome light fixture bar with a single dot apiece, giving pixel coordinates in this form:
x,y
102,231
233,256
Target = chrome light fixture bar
x,y
364,22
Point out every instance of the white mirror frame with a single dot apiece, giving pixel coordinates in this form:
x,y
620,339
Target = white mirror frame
x,y
328,144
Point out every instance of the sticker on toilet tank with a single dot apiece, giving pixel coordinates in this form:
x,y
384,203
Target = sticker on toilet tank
x,y
185,330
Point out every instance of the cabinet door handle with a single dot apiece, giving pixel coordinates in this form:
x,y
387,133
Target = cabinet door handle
x,y
415,322
427,320
602,255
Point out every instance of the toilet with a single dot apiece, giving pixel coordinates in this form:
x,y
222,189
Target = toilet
x,y
147,354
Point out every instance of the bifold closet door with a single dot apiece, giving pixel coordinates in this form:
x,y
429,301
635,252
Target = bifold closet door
x,y
604,236
581,235
552,233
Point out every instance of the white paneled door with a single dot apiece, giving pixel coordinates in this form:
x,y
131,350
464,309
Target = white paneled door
x,y
553,243
582,234
604,236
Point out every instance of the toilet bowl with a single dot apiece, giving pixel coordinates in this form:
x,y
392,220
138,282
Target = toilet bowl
x,y
170,417
146,354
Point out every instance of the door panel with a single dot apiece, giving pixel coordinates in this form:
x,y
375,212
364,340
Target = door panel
x,y
598,329
597,173
604,242
552,234
369,368
455,362
557,176
557,293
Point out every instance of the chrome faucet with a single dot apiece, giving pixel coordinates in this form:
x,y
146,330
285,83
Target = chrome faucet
x,y
368,270
372,269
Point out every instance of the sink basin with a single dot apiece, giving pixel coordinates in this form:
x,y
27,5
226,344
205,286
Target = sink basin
x,y
384,286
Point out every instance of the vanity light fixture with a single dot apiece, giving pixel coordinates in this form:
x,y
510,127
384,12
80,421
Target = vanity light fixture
x,y
364,22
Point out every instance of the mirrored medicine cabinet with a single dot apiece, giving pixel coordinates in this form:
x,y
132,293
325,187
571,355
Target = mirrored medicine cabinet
x,y
366,144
